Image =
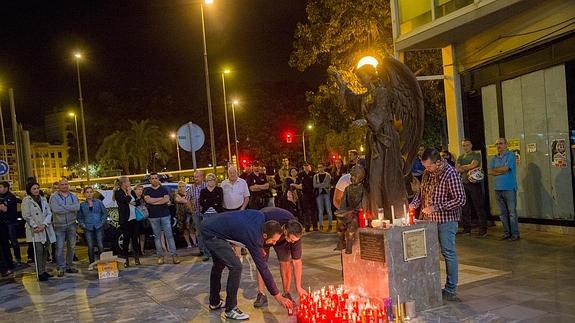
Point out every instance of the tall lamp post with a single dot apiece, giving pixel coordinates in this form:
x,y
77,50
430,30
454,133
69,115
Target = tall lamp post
x,y
3,134
210,117
78,56
224,72
234,103
177,150
309,127
72,114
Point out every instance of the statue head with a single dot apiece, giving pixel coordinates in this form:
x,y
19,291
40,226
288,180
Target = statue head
x,y
357,174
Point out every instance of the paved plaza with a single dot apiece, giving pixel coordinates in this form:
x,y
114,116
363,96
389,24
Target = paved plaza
x,y
530,280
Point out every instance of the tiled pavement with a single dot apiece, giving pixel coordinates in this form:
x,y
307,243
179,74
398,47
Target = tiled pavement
x,y
530,280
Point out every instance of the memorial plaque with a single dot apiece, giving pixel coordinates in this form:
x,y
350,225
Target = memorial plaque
x,y
414,245
371,245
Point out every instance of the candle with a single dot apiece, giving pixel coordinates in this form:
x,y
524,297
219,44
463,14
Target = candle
x,y
392,213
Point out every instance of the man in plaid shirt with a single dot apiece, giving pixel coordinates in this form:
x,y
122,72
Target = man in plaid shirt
x,y
193,195
441,197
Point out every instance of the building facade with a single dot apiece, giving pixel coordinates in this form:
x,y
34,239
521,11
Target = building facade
x,y
509,71
48,163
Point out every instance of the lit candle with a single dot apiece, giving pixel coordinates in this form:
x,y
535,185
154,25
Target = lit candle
x,y
392,213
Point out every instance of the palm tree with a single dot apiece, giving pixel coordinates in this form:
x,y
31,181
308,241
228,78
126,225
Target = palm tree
x,y
131,149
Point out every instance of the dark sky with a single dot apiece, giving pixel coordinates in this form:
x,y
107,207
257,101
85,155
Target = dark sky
x,y
143,44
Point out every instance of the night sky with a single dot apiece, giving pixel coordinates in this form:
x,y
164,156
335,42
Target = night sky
x,y
141,44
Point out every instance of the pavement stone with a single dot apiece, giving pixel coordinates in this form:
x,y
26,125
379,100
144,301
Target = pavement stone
x,y
530,280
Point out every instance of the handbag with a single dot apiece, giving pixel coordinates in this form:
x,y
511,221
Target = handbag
x,y
475,175
141,213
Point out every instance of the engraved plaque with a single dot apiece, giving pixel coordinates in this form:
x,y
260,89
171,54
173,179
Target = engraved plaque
x,y
414,245
371,245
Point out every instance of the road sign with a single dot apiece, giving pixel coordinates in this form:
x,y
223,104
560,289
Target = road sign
x,y
191,136
4,168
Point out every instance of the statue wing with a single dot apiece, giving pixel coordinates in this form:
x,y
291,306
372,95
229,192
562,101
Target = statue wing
x,y
406,102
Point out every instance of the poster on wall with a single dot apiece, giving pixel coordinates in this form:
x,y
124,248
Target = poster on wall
x,y
559,153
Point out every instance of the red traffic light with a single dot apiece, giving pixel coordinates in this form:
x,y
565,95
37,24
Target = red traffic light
x,y
289,137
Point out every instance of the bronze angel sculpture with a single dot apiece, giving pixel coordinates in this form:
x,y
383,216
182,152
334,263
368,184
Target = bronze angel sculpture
x,y
391,106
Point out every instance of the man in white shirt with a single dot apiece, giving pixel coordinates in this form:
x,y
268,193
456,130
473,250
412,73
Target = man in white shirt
x,y
236,191
342,183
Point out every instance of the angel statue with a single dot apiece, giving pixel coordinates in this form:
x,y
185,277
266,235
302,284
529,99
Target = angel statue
x,y
391,106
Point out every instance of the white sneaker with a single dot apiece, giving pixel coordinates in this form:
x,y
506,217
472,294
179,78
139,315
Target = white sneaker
x,y
90,267
236,314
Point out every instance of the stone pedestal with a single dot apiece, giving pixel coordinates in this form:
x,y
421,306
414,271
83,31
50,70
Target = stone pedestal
x,y
417,278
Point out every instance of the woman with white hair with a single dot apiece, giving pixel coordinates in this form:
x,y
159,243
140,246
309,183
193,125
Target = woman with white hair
x,y
211,197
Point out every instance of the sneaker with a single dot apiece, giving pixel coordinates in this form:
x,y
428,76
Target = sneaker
x,y
482,234
161,260
217,307
505,237
206,258
60,272
43,277
189,246
176,260
450,297
6,273
72,270
90,267
514,238
236,314
261,301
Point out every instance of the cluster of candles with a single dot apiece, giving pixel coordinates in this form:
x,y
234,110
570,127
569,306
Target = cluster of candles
x,y
408,218
337,305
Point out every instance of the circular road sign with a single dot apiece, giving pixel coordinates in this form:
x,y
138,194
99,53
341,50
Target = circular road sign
x,y
191,136
4,168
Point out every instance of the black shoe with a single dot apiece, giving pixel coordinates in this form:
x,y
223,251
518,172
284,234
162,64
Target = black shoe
x,y
72,270
482,234
6,273
47,275
75,258
514,238
30,261
307,229
464,233
315,229
505,237
43,277
450,297
261,301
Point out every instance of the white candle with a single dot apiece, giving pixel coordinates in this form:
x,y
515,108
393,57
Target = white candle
x,y
392,213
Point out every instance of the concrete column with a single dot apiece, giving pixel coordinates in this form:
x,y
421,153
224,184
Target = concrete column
x,y
453,103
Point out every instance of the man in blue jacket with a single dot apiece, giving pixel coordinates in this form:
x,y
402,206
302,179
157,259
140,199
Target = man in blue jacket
x,y
247,229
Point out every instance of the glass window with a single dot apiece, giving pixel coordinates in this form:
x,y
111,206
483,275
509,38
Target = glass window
x,y
413,13
444,7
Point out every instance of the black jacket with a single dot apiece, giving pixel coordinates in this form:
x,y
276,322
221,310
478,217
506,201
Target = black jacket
x,y
11,201
123,201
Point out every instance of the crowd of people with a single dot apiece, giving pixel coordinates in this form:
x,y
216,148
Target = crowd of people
x,y
445,190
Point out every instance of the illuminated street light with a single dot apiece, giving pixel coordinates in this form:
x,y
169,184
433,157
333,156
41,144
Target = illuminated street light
x,y
226,71
3,133
210,117
234,103
72,114
78,56
173,135
309,127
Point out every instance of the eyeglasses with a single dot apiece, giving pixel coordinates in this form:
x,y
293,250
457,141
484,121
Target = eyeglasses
x,y
499,143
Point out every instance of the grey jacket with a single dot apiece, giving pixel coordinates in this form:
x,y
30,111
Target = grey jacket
x,y
322,187
36,215
64,210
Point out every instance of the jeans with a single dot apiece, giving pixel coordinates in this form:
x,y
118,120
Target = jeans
x,y
475,200
13,236
224,256
507,202
323,204
446,232
163,224
197,218
67,235
98,236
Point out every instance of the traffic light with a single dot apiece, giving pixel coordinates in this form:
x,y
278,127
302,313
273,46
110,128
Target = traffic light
x,y
289,137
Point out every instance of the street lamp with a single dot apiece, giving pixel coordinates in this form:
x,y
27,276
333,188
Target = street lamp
x,y
173,135
78,56
309,127
234,103
224,72
3,134
72,114
210,117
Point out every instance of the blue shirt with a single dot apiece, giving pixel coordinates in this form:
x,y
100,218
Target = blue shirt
x,y
244,227
506,181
